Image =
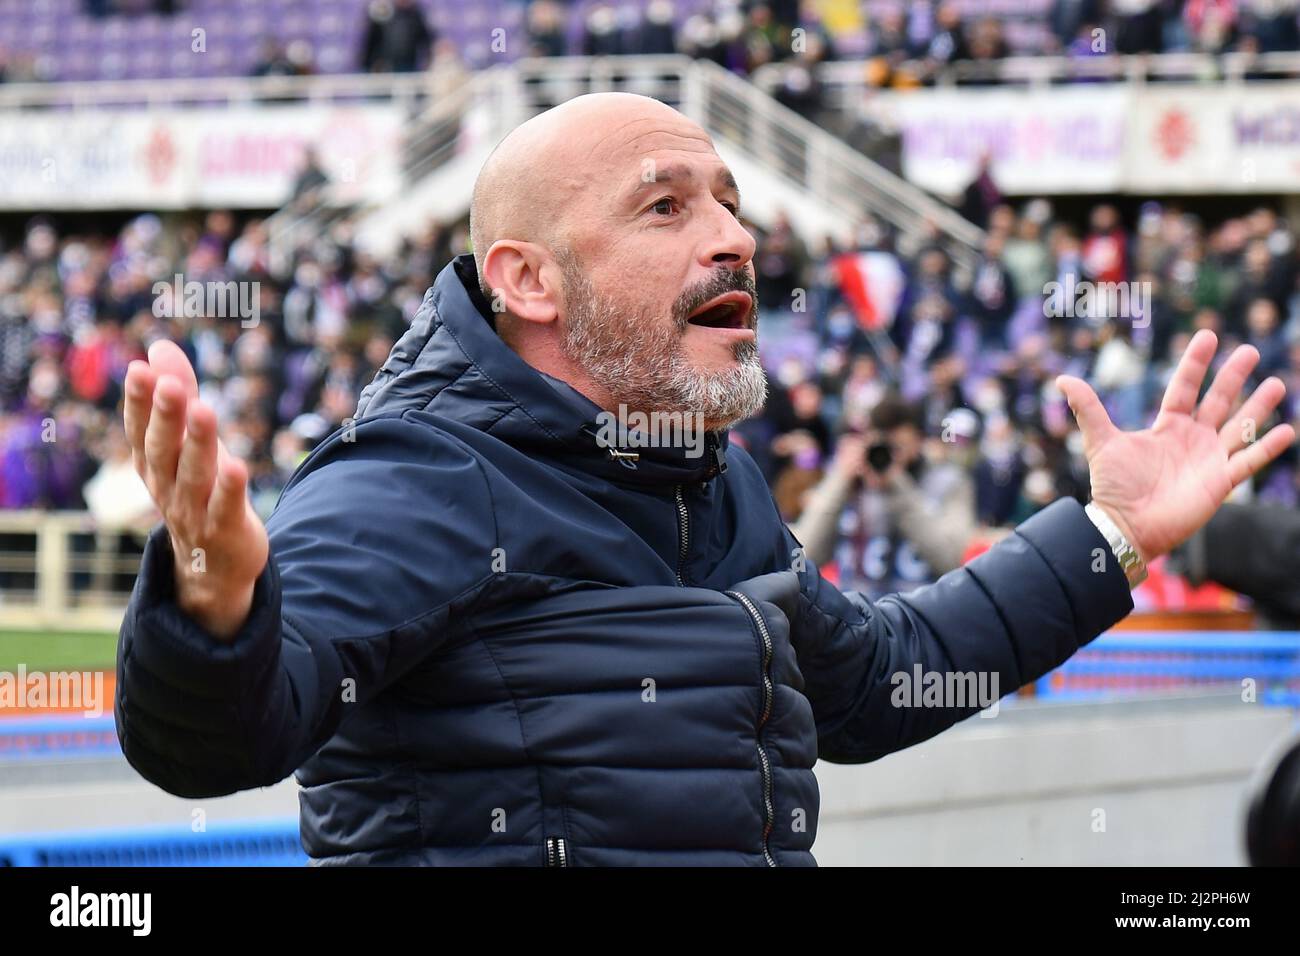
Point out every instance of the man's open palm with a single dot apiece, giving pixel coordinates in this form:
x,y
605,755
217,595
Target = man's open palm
x,y
1163,483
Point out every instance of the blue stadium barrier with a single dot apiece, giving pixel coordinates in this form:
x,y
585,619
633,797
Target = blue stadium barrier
x,y
1140,663
58,737
248,843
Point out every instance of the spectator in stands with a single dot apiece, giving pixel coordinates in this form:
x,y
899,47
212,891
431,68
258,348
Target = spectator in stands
x,y
815,33
602,34
447,73
888,47
948,43
911,512
987,47
720,39
1272,24
1264,331
1138,27
999,472
1211,24
1260,278
311,181
781,264
1026,258
397,39
801,89
1068,17
546,28
992,297
272,60
656,34
982,195
766,40
43,462
1105,247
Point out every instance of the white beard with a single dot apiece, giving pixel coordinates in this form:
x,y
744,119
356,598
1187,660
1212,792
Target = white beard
x,y
641,362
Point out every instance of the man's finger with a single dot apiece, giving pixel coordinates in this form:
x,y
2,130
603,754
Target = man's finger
x,y
1226,388
166,358
1245,425
229,497
162,438
1185,386
136,408
196,469
1088,410
1255,456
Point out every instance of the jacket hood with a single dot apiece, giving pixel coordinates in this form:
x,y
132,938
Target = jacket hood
x,y
452,363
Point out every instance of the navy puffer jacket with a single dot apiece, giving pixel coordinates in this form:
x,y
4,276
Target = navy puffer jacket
x,y
483,638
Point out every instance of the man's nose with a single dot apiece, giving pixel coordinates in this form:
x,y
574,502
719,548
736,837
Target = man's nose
x,y
729,244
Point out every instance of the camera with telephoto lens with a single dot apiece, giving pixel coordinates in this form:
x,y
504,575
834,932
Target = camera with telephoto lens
x,y
880,455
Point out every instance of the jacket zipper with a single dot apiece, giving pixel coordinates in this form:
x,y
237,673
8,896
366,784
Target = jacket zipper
x,y
683,534
557,852
769,811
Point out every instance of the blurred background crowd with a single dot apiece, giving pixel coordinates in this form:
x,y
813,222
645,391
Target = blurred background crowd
x,y
895,446
900,44
897,442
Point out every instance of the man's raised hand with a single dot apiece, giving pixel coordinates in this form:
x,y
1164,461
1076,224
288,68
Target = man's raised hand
x,y
1163,483
219,542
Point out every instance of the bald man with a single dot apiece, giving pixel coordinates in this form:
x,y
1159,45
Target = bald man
x,y
530,607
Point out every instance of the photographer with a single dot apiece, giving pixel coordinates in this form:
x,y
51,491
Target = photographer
x,y
915,515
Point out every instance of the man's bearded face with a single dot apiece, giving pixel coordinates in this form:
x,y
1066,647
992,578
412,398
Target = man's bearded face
x,y
644,361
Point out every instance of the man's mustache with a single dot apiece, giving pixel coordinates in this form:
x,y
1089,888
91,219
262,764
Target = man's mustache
x,y
723,281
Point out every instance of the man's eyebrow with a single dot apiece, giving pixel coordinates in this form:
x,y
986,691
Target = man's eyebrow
x,y
674,172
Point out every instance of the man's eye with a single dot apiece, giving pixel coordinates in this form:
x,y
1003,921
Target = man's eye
x,y
732,208
665,206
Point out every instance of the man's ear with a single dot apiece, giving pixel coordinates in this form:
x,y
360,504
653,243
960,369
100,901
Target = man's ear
x,y
522,280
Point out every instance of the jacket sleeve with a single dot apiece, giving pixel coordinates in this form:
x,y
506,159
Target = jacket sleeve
x,y
346,605
1012,614
1252,549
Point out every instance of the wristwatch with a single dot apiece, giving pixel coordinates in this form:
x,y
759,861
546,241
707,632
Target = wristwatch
x,y
1130,562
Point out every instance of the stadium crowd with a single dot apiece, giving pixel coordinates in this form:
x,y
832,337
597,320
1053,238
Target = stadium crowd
x,y
901,44
944,407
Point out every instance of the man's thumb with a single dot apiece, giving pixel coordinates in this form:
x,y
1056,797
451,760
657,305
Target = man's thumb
x,y
1088,410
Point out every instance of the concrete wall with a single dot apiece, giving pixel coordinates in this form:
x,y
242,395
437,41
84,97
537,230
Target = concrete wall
x,y
1023,788
93,795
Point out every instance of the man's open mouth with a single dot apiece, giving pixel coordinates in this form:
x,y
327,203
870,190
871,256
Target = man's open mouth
x,y
728,311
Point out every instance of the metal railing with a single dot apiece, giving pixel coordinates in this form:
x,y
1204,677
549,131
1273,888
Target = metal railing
x,y
824,166
59,571
431,139
729,107
735,111
846,86
739,113
405,88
